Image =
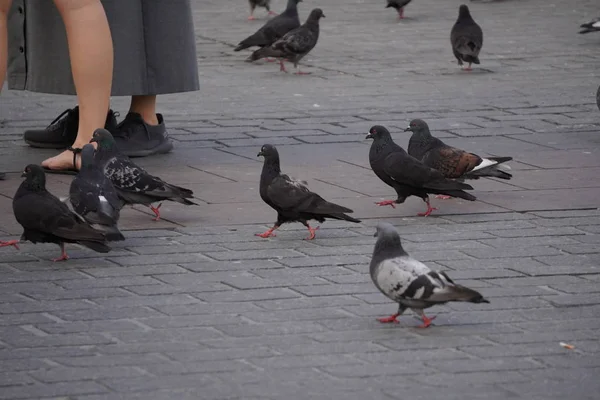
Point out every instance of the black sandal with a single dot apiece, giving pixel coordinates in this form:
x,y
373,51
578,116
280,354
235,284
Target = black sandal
x,y
70,171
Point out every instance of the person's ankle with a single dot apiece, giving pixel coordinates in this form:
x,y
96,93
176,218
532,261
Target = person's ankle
x,y
150,118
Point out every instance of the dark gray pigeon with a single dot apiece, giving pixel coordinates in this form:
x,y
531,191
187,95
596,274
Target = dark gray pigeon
x,y
409,282
292,200
94,198
259,3
45,219
274,29
466,38
592,26
134,185
407,175
452,162
598,98
295,44
398,5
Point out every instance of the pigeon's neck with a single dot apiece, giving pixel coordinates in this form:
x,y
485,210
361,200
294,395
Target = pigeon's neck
x,y
291,9
386,249
271,169
384,146
420,143
35,185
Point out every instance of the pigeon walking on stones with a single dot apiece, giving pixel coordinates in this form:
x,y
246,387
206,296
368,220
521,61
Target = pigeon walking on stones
x,y
409,282
94,198
45,219
295,44
452,162
466,38
592,26
407,175
274,29
259,3
292,200
398,5
134,185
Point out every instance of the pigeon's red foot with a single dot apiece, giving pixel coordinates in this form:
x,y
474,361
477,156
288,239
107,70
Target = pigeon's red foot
x,y
266,234
390,319
426,322
251,18
312,231
63,256
156,211
401,13
428,211
443,197
270,60
386,203
14,243
272,13
282,66
302,73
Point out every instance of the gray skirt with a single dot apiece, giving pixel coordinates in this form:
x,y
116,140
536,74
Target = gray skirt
x,y
154,47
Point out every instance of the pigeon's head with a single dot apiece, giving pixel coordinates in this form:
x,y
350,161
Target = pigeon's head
x,y
385,229
388,240
34,175
268,151
103,138
418,126
378,132
463,11
87,155
316,14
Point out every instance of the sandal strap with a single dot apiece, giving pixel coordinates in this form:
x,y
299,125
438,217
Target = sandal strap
x,y
75,150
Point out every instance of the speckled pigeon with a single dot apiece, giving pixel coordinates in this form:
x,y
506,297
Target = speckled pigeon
x,y
292,200
295,44
466,38
134,185
398,5
407,175
259,3
45,219
592,26
409,282
94,198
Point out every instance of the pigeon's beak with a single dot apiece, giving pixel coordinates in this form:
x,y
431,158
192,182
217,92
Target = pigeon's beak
x,y
369,136
93,140
23,174
322,15
375,234
260,153
407,129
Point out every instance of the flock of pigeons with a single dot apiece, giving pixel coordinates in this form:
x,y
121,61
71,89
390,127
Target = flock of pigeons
x,y
109,180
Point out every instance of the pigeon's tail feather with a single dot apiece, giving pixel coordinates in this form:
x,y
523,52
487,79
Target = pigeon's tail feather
x,y
345,217
185,201
391,4
96,246
491,167
322,206
111,232
500,160
262,53
255,40
448,184
457,193
462,293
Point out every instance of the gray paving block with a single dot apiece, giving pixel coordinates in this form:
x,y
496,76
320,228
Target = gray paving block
x,y
66,374
517,363
143,383
49,390
281,328
249,295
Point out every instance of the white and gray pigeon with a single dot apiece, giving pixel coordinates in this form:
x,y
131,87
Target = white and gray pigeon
x,y
592,26
134,185
94,198
398,5
259,3
466,38
409,282
295,44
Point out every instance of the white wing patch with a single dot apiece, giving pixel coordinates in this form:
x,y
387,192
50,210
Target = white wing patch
x,y
484,164
396,274
102,199
596,24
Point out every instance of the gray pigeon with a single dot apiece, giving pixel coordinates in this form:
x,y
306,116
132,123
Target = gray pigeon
x,y
407,175
452,162
295,44
466,38
134,185
592,26
259,3
94,198
598,98
409,282
398,5
274,29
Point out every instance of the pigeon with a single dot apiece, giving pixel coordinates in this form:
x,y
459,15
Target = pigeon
x,y
452,162
598,98
259,3
94,198
295,44
45,219
274,29
398,5
592,26
407,175
292,200
134,185
466,38
409,282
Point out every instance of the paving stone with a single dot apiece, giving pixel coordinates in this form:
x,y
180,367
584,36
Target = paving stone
x,y
65,374
49,390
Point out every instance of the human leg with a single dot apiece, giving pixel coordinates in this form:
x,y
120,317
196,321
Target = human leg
x,y
4,7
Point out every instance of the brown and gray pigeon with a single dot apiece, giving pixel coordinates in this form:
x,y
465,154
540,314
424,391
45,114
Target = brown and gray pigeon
x,y
398,5
466,38
407,175
259,3
292,199
295,44
409,282
452,162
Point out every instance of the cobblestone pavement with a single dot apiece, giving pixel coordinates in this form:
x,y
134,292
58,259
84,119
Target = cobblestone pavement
x,y
196,307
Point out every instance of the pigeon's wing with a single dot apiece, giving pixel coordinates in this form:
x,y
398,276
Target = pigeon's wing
x,y
287,193
407,170
395,276
450,161
298,41
467,39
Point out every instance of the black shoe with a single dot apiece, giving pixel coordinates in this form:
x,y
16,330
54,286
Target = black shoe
x,y
135,138
2,176
61,132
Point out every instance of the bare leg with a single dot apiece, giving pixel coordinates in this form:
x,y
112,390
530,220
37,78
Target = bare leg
x,y
91,54
145,105
4,7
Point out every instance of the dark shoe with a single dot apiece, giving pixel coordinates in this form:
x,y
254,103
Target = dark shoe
x,y
61,132
135,138
2,176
